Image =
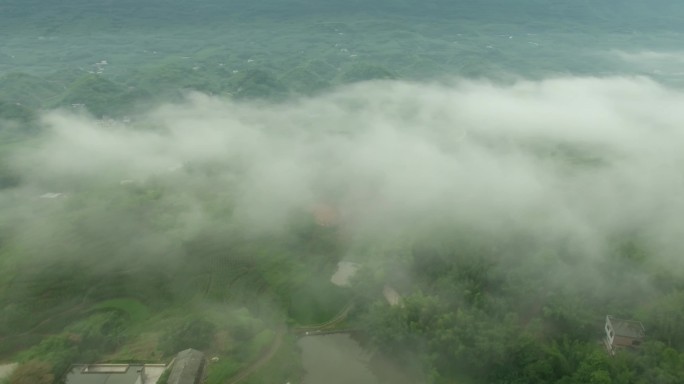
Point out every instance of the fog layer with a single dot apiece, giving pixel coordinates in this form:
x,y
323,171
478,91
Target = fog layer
x,y
568,159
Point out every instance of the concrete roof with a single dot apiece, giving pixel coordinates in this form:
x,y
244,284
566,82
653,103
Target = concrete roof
x,y
627,328
104,374
187,367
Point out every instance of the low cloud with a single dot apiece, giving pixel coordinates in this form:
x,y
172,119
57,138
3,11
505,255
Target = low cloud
x,y
568,159
662,63
651,56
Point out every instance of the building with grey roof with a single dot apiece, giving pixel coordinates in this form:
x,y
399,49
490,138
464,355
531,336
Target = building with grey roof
x,y
114,373
188,367
623,334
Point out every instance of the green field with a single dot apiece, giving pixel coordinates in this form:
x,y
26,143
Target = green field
x,y
135,310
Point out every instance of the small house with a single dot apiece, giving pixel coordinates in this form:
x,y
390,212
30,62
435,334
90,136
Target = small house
x,y
621,334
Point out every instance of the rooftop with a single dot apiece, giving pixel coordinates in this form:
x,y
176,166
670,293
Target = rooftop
x,y
103,374
114,373
187,367
627,328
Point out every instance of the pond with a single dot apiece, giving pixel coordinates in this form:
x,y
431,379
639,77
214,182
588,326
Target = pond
x,y
335,359
340,359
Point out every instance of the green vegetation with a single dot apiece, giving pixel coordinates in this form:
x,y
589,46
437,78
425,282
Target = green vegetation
x,y
85,340
479,318
196,334
164,378
222,371
318,301
285,366
134,309
134,60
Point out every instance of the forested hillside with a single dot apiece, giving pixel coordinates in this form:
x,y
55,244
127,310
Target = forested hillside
x,y
121,53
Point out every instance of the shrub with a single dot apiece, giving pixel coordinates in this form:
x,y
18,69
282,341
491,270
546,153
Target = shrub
x,y
196,333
